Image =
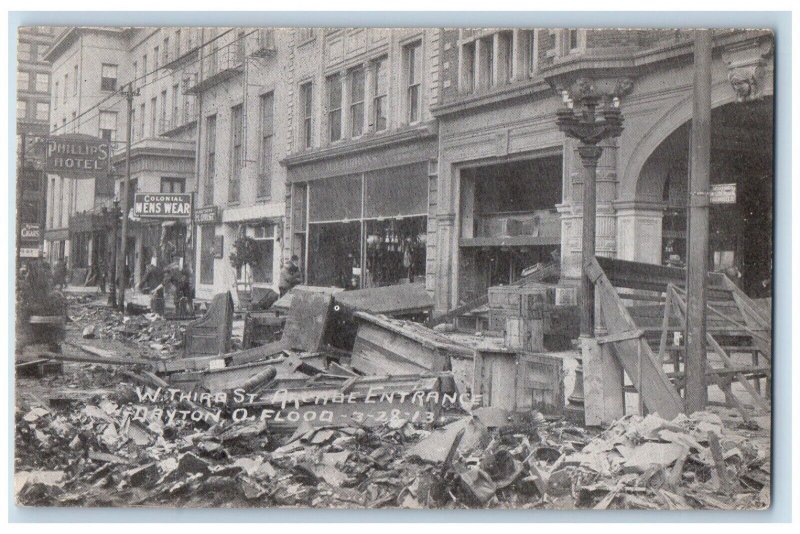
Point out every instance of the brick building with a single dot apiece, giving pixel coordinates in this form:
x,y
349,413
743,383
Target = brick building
x,y
33,114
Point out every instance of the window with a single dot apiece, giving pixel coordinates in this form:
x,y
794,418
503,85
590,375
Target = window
x,y
236,152
108,77
142,114
413,74
108,125
153,116
135,79
173,185
75,78
211,157
265,148
486,63
22,109
163,117
155,57
306,106
334,91
66,85
133,125
177,44
207,239
41,51
55,96
572,39
23,81
42,82
24,52
42,111
533,51
357,80
380,87
305,34
506,59
175,106
74,121
165,51
144,69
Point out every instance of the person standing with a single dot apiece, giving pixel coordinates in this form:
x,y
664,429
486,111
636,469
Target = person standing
x,y
290,275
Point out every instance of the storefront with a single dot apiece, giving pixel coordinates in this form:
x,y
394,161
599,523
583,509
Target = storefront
x,y
88,242
367,227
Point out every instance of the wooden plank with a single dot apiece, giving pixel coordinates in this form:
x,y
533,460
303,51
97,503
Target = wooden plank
x,y
657,391
603,384
393,300
307,321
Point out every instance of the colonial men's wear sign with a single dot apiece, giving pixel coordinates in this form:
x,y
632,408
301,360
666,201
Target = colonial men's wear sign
x,y
163,205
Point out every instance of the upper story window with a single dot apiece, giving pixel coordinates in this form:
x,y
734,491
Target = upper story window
x,y
505,54
22,109
412,60
572,40
25,52
66,85
485,62
108,77
306,109
55,96
42,111
142,114
23,80
211,147
265,148
144,69
173,185
177,44
165,51
304,35
154,116
380,88
237,129
155,57
42,82
108,125
333,86
357,79
75,79
41,51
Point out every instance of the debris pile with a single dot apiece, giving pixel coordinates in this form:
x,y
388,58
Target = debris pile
x,y
148,330
97,453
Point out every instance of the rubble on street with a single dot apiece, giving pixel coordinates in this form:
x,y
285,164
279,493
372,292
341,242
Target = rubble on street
x,y
247,429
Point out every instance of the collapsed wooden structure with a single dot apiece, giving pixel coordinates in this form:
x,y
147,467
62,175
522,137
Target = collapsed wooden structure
x,y
641,313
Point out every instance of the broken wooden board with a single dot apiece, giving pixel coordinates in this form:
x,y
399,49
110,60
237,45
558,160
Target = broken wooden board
x,y
307,321
391,346
392,301
634,354
211,334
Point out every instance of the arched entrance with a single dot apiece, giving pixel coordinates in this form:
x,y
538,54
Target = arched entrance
x,y
740,241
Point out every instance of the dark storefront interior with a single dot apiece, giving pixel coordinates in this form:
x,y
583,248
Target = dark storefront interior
x,y
508,221
740,238
367,230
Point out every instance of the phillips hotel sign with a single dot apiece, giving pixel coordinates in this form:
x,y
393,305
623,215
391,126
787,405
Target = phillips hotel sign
x,y
78,155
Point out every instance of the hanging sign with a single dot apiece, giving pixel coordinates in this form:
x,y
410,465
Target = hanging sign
x,y
723,193
30,231
77,156
207,215
163,205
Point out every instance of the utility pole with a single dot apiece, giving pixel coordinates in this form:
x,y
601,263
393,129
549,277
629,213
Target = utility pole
x,y
696,395
129,94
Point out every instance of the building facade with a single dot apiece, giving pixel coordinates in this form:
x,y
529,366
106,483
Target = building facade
x,y
91,69
427,156
362,162
33,116
237,81
510,182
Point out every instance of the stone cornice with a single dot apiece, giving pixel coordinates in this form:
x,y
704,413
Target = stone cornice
x,y
376,142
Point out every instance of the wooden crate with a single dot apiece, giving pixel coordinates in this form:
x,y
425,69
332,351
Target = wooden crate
x,y
518,381
524,334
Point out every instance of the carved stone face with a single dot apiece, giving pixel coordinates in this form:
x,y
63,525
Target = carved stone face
x,y
742,84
